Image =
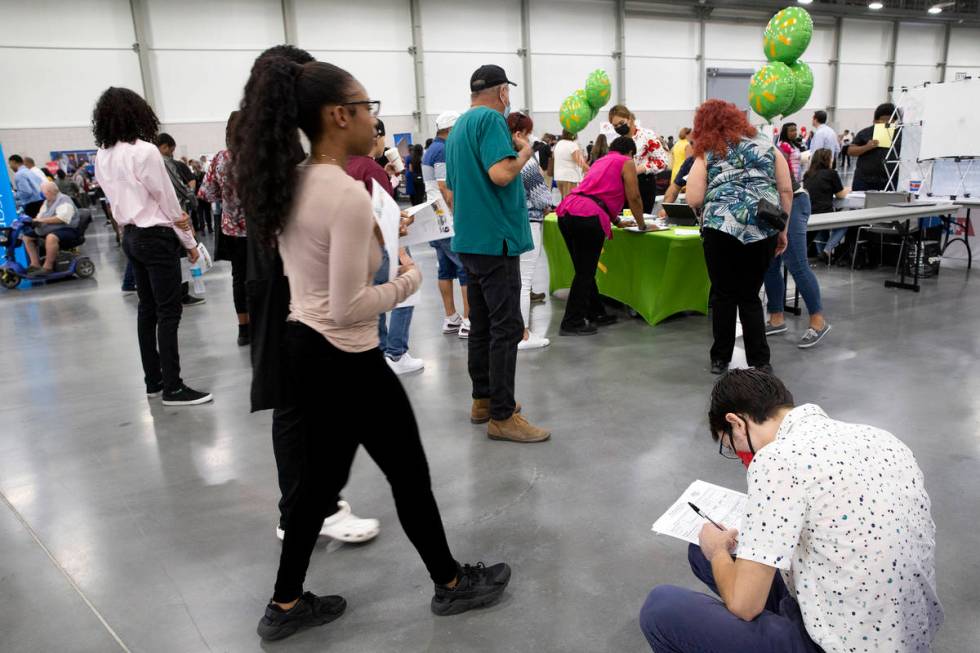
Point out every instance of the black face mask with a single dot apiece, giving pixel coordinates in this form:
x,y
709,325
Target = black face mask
x,y
623,129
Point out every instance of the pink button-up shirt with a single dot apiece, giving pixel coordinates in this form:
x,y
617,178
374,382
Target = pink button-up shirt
x,y
136,182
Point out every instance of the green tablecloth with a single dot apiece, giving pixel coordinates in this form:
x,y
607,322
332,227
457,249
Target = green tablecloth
x,y
656,274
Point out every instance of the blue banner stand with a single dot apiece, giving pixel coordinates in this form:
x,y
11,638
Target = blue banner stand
x,y
8,209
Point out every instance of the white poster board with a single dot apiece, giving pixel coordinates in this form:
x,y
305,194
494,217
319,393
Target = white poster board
x,y
388,216
949,122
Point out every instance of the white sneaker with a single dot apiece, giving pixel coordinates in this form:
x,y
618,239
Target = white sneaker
x,y
452,324
406,364
464,329
345,526
533,342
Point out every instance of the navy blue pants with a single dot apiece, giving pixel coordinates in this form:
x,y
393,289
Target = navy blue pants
x,y
679,620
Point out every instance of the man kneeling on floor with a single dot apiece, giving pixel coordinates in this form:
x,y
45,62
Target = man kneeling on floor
x,y
839,510
57,220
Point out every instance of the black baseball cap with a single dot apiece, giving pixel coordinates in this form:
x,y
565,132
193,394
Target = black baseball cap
x,y
487,77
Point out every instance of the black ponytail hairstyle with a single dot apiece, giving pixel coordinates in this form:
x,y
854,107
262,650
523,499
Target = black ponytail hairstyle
x,y
281,97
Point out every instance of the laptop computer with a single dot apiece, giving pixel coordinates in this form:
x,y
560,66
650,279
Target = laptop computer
x,y
681,215
876,199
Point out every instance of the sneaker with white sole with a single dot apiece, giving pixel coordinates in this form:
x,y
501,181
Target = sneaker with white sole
x,y
451,324
812,336
185,396
776,329
464,329
533,341
345,526
405,364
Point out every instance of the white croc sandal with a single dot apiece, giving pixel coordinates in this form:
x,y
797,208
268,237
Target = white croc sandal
x,y
345,526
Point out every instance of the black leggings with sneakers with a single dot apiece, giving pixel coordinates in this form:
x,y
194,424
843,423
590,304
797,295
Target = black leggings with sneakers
x,y
358,401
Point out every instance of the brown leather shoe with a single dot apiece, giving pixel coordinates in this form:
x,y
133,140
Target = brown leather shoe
x,y
480,412
516,429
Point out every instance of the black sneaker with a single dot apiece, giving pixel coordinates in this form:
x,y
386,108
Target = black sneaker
x,y
581,329
478,587
310,610
244,340
154,391
719,367
190,300
185,397
603,320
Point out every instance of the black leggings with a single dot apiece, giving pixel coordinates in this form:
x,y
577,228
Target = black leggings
x,y
237,252
648,191
584,239
348,400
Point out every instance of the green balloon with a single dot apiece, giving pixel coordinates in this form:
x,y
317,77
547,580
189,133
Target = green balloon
x,y
581,95
598,89
575,114
803,77
788,34
772,90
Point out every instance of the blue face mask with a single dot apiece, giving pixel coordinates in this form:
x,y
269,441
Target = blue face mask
x,y
506,108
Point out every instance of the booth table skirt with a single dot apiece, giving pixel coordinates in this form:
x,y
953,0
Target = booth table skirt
x,y
656,274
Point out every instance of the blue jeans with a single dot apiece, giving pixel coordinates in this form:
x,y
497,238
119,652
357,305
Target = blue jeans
x,y
679,620
795,258
832,239
393,337
450,265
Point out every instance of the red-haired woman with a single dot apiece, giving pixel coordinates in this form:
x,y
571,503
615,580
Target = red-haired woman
x,y
735,168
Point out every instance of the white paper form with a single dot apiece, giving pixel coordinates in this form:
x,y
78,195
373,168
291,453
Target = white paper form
x,y
721,504
388,216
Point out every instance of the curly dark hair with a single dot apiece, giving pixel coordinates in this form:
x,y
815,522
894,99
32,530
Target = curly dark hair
x,y
283,97
623,145
122,115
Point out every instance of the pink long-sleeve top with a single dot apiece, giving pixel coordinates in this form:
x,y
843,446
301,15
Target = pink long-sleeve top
x,y
136,182
330,255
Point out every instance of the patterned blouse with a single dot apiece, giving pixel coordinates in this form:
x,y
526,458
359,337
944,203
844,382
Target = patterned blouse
x,y
217,187
651,156
538,194
736,183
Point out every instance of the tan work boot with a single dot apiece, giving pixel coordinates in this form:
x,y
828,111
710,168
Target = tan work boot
x,y
480,412
516,429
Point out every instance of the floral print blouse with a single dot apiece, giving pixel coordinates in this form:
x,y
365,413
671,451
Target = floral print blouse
x,y
736,183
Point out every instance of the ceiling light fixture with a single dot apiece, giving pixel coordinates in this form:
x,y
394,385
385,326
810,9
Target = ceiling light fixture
x,y
804,2
935,9
875,5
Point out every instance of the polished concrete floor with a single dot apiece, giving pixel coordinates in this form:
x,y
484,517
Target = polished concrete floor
x,y
130,526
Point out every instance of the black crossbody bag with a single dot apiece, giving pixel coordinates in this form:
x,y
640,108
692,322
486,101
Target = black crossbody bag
x,y
771,215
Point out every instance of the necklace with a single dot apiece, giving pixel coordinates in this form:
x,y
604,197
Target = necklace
x,y
324,157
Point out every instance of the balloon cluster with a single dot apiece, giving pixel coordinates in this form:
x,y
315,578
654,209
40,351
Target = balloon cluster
x,y
783,86
582,106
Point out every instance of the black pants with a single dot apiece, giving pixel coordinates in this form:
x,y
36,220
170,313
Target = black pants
x,y
648,191
237,252
203,218
155,255
331,386
584,238
287,447
496,328
736,272
31,209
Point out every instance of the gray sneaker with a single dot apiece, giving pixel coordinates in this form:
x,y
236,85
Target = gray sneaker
x,y
812,336
772,330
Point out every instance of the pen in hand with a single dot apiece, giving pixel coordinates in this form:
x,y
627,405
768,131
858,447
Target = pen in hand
x,y
701,514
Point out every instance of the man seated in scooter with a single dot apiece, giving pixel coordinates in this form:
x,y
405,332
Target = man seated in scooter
x,y
57,220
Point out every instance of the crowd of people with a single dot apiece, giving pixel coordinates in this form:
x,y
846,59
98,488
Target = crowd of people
x,y
315,289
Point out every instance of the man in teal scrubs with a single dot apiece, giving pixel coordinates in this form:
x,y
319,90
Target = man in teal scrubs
x,y
483,169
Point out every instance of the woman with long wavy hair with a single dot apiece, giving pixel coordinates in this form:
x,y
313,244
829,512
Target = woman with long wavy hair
x,y
736,167
323,224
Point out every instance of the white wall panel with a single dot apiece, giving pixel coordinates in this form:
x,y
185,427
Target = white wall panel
x,y
866,41
214,24
447,79
52,93
733,41
661,84
822,82
345,25
471,25
821,48
93,23
389,77
650,36
920,43
573,26
199,87
910,76
556,77
862,86
964,47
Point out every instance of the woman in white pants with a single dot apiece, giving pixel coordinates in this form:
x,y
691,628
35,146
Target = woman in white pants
x,y
538,203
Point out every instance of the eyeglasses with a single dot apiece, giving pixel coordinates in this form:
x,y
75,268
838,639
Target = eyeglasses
x,y
727,451
373,106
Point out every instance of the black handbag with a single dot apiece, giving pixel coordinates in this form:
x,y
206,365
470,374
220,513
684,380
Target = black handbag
x,y
771,215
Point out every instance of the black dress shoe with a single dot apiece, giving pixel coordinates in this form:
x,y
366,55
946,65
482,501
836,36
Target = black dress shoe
x,y
604,320
719,367
581,329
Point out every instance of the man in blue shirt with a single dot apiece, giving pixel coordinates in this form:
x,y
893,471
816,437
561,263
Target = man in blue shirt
x,y
824,137
27,188
483,164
